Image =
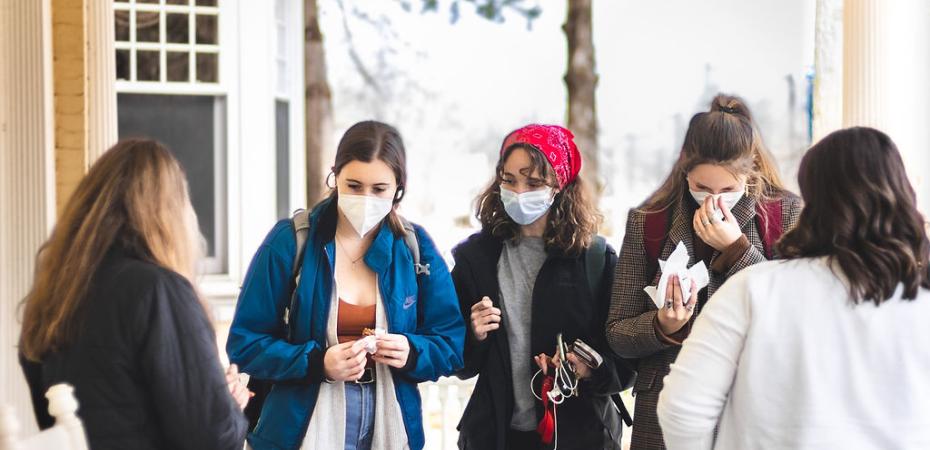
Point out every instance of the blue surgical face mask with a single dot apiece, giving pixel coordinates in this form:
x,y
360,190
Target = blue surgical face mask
x,y
527,207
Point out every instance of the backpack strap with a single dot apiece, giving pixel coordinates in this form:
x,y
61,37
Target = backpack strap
x,y
413,244
594,263
655,233
301,222
769,224
261,387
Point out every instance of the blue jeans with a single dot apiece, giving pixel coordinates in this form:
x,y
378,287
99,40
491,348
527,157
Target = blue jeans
x,y
360,416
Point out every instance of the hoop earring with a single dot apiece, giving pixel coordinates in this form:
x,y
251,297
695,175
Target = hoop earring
x,y
326,182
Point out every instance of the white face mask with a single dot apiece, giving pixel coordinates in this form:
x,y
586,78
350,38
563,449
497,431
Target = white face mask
x,y
364,212
527,207
730,199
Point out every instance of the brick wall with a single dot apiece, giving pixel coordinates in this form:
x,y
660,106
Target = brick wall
x,y
69,72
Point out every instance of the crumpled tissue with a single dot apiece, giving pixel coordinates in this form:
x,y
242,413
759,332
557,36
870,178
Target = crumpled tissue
x,y
370,342
677,263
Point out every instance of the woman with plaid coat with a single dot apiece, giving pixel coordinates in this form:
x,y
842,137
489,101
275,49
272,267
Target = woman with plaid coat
x,y
725,202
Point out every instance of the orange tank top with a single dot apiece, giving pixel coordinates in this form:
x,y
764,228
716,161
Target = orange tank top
x,y
352,320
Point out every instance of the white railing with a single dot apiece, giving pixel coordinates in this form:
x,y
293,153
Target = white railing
x,y
443,404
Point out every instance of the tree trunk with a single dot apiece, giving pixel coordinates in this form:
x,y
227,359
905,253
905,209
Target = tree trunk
x,y
318,103
581,81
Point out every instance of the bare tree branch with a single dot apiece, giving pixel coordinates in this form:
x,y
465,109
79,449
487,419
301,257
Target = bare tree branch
x,y
353,53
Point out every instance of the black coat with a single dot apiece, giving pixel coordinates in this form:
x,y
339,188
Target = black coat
x,y
144,365
562,302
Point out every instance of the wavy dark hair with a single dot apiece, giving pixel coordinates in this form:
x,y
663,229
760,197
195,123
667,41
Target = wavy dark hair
x,y
573,219
861,212
725,135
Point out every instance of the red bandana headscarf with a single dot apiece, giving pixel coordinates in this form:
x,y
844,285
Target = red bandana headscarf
x,y
555,143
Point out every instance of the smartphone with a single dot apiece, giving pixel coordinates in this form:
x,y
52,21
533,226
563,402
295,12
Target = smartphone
x,y
588,355
563,352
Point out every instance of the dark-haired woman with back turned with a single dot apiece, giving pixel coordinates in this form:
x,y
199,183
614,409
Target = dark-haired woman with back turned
x,y
826,349
725,202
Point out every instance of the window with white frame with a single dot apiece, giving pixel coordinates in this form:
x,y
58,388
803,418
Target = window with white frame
x,y
282,108
170,87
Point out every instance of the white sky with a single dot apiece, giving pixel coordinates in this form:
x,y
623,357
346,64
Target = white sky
x,y
454,90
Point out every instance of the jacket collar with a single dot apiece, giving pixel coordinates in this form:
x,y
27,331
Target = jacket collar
x,y
485,245
323,219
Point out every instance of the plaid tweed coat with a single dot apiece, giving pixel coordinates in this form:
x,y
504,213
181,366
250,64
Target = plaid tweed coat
x,y
630,329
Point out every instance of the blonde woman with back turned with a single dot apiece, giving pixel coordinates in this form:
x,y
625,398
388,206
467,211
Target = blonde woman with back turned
x,y
113,312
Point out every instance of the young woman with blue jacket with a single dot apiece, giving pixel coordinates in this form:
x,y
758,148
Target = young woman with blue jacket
x,y
332,386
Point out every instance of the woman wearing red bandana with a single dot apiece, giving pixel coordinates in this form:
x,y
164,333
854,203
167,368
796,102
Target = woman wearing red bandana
x,y
537,269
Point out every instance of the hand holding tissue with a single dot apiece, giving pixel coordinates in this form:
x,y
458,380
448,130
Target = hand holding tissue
x,y
677,264
370,339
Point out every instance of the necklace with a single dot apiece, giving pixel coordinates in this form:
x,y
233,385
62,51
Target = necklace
x,y
346,252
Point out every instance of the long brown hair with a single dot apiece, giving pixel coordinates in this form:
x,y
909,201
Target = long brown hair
x,y
727,136
370,140
573,219
861,212
135,196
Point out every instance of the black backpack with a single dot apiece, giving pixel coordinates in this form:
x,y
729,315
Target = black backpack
x,y
594,264
301,222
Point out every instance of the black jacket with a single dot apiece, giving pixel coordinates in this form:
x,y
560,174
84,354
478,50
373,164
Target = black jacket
x,y
562,302
144,365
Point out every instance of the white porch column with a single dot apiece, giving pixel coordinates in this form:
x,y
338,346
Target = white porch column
x,y
866,58
885,70
909,96
101,79
26,174
828,68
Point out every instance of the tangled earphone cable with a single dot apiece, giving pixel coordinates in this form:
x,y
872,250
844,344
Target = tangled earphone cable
x,y
563,376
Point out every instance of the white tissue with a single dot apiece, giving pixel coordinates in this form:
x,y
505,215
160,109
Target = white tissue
x,y
718,213
677,263
371,342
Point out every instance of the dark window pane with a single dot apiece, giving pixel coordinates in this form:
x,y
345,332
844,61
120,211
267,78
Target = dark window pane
x,y
176,26
185,123
206,2
146,1
283,157
178,66
122,64
178,2
146,26
207,67
147,66
121,24
206,29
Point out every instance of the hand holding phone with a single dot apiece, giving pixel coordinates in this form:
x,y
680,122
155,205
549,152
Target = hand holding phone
x,y
587,354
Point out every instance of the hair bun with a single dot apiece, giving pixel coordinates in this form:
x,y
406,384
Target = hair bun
x,y
727,109
730,104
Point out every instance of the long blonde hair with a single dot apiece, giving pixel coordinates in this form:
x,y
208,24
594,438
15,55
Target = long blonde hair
x,y
135,196
725,135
